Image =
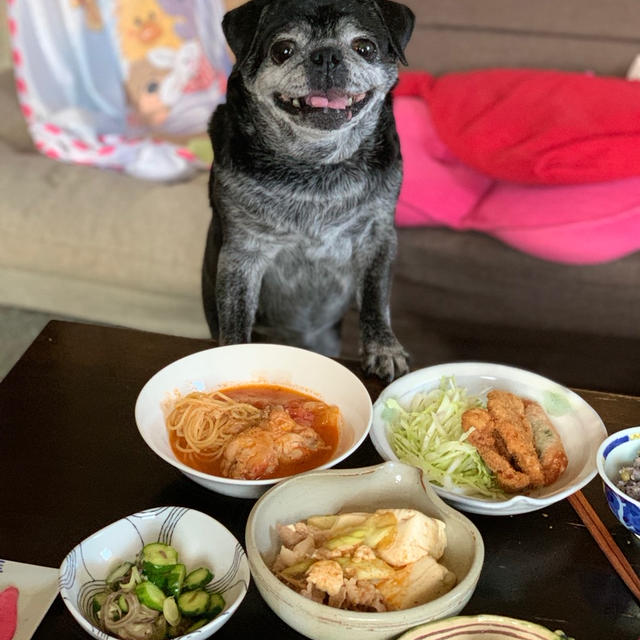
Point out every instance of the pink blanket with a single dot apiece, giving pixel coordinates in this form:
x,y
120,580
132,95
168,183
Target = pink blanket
x,y
573,223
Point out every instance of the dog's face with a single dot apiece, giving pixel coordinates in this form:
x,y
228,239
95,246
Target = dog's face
x,y
320,65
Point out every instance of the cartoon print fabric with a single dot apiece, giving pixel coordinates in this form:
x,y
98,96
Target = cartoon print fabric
x,y
122,84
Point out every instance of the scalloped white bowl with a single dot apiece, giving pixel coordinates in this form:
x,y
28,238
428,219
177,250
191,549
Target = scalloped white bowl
x,y
580,427
387,485
234,365
199,539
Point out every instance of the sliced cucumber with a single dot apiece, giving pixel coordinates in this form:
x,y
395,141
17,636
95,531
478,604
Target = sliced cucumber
x,y
175,579
122,603
216,604
197,624
159,578
158,557
171,612
119,573
98,601
150,595
197,578
193,603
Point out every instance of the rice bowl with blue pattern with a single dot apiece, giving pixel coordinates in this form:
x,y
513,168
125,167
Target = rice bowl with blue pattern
x,y
618,451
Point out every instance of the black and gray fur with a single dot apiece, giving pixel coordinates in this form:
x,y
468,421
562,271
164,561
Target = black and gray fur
x,y
303,197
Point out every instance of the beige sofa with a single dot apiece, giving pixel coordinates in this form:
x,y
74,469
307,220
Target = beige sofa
x,y
108,248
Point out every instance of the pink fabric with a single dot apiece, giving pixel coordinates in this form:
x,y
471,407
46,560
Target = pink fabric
x,y
437,188
8,612
580,224
535,126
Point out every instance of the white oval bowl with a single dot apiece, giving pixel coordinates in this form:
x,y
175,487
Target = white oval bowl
x,y
241,364
388,485
199,539
579,426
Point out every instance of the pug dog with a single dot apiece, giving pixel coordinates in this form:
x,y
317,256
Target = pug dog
x,y
306,175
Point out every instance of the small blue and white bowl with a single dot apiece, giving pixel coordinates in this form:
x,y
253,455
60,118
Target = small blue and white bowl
x,y
199,539
617,451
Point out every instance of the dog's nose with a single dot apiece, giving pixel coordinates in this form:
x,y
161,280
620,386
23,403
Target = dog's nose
x,y
327,58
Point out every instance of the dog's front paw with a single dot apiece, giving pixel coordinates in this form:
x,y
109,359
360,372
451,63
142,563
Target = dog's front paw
x,y
387,361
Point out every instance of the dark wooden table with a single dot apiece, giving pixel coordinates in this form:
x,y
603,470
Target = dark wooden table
x,y
71,462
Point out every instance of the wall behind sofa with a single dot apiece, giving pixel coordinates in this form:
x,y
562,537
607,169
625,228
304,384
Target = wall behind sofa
x,y
575,35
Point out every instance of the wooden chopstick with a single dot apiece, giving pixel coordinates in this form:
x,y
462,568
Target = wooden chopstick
x,y
606,543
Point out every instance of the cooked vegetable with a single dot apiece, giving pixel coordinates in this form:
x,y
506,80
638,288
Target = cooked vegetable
x,y
216,605
196,625
98,601
158,557
197,578
171,612
147,600
382,561
428,434
119,573
193,603
150,595
175,579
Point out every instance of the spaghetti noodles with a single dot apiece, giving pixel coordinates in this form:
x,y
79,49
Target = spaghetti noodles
x,y
203,423
252,432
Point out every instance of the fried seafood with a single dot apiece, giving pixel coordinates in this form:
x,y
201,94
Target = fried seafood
x,y
517,441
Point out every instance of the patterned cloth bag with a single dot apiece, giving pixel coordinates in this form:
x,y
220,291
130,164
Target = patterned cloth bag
x,y
121,84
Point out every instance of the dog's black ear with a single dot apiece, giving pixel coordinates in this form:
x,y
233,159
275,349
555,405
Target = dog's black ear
x,y
241,28
399,21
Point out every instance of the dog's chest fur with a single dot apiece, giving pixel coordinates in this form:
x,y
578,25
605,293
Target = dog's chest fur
x,y
312,224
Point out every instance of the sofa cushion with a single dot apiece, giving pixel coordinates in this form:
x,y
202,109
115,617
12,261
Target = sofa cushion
x,y
436,187
13,128
579,224
99,245
539,127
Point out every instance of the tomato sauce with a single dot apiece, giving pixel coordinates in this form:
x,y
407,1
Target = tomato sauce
x,y
304,409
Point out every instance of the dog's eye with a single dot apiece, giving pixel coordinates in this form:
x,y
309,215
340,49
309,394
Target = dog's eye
x,y
365,48
282,50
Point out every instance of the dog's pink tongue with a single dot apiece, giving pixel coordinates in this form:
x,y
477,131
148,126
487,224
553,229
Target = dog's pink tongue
x,y
318,101
8,612
336,102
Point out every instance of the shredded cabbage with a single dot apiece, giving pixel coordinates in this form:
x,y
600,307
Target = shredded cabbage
x,y
428,434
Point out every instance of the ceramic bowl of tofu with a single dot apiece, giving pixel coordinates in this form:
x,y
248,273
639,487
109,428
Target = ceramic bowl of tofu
x,y
92,569
618,462
401,433
421,527
252,364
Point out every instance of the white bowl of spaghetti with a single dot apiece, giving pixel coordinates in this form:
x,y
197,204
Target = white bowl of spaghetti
x,y
239,418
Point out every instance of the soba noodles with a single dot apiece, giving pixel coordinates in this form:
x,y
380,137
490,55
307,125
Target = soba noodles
x,y
205,422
